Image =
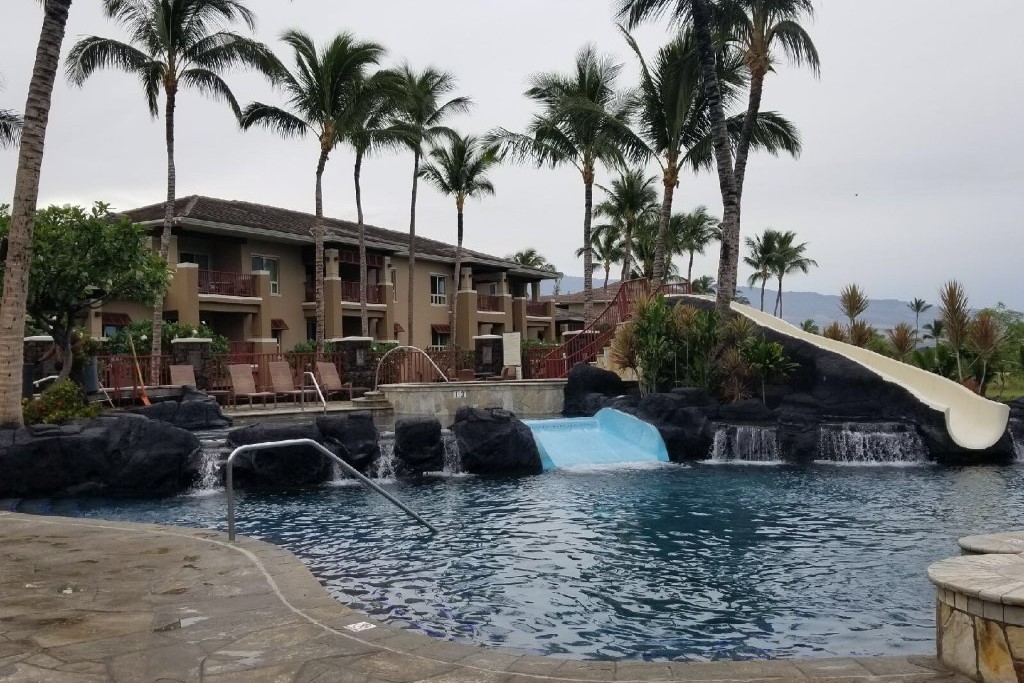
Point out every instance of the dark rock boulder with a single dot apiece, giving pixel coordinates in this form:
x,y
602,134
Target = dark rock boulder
x,y
283,466
112,455
681,418
193,410
351,436
589,389
745,412
418,445
800,416
494,441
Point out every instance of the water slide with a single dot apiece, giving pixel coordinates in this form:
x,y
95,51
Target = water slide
x,y
973,422
610,437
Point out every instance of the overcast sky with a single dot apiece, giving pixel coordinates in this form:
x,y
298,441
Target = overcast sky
x,y
912,169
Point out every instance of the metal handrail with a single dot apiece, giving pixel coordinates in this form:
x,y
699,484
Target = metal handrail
x,y
313,444
316,385
380,363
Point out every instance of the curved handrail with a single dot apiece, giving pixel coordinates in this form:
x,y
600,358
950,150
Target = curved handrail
x,y
316,385
265,445
376,375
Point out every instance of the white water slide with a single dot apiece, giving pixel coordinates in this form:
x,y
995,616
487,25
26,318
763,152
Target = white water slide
x,y
973,422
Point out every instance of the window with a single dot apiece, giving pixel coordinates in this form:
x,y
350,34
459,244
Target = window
x,y
310,329
438,297
492,288
439,339
394,283
201,260
270,264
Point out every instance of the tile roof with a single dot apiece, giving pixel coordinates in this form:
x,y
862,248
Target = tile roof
x,y
297,225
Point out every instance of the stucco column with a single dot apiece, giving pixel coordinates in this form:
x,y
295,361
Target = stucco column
x,y
332,304
466,320
331,263
183,294
535,290
260,331
519,315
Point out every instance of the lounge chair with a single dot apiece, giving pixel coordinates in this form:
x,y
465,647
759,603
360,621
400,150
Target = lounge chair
x,y
330,381
284,383
243,385
185,376
466,375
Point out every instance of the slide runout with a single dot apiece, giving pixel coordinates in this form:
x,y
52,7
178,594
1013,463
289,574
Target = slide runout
x,y
611,437
973,422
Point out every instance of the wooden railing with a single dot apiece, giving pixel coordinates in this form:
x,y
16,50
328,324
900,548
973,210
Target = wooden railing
x,y
584,346
350,292
537,308
120,373
405,365
228,284
489,302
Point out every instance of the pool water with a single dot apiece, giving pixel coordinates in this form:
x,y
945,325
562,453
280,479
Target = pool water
x,y
654,562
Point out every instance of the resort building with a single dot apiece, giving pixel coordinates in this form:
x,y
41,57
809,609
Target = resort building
x,y
247,271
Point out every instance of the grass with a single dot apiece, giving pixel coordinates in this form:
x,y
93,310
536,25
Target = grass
x,y
1006,387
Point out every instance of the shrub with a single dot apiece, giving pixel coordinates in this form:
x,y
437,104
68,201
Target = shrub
x,y
141,334
59,402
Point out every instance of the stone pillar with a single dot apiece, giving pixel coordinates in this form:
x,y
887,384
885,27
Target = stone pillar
x,y
356,360
489,349
197,352
183,294
466,319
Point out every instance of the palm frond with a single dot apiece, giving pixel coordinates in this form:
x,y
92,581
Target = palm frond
x,y
209,83
273,118
10,128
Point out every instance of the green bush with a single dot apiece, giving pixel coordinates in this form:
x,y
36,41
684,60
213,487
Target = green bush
x,y
59,402
141,333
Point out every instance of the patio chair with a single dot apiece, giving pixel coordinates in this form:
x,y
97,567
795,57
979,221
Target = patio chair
x,y
331,384
466,375
284,383
185,376
243,385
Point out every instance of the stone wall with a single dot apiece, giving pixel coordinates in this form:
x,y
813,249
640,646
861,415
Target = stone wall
x,y
533,398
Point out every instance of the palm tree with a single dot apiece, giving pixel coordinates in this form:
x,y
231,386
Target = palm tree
x,y
853,301
645,248
583,122
788,258
10,126
761,248
934,330
918,306
531,258
608,247
691,233
630,199
23,209
460,170
367,127
705,284
955,313
319,93
173,44
903,340
420,115
810,326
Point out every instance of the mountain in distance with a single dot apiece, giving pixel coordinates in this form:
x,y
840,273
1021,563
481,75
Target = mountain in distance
x,y
883,314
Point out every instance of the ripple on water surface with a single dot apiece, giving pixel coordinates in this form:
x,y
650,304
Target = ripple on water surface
x,y
655,563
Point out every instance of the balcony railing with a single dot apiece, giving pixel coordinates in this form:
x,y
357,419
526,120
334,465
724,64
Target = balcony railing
x,y
350,293
228,284
489,302
537,308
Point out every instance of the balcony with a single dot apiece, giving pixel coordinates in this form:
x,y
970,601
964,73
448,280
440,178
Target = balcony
x,y
538,309
227,284
489,303
350,293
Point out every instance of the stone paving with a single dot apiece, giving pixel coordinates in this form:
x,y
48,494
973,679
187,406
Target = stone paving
x,y
89,601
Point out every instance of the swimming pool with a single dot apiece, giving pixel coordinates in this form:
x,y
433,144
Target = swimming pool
x,y
655,562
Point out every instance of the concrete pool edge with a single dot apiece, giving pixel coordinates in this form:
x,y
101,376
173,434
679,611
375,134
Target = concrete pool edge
x,y
126,601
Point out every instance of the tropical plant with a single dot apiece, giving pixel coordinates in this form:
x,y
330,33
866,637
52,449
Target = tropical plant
x,y
903,341
60,402
810,326
173,44
955,313
320,93
583,122
624,353
141,331
985,341
10,126
788,258
420,116
760,251
938,359
767,360
705,284
82,259
460,170
23,210
934,330
853,301
607,247
531,258
918,306
834,331
691,233
630,200
652,327
860,333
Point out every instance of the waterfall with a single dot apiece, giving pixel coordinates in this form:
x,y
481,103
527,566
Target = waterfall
x,y
744,443
385,466
1018,447
213,451
870,443
452,457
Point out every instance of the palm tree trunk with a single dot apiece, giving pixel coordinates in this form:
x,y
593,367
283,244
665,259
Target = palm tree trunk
x,y
165,233
747,132
689,269
728,263
318,248
778,300
588,253
454,306
26,193
607,271
669,182
412,248
627,253
363,319
764,282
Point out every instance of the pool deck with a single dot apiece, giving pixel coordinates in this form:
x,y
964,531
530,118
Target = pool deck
x,y
89,601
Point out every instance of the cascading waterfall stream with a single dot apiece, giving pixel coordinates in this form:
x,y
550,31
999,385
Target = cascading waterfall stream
x,y
452,457
880,442
745,443
386,466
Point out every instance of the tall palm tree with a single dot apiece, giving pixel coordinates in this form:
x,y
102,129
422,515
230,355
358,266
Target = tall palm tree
x,y
608,247
319,93
645,248
531,258
582,122
23,210
631,198
691,233
367,127
10,126
761,249
420,115
918,306
459,170
787,259
173,44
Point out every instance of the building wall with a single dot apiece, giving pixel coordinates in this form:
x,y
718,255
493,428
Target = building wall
x,y
427,314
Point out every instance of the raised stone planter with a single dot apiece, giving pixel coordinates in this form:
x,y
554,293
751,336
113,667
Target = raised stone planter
x,y
979,616
1007,543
